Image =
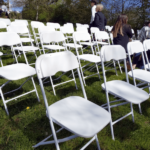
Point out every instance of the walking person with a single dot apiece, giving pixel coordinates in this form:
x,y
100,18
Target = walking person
x,y
100,20
93,11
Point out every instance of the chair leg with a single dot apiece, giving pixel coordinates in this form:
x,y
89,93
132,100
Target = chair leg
x,y
98,71
82,72
4,102
1,62
140,110
35,89
74,80
119,66
25,58
52,85
97,142
115,66
132,111
109,109
54,134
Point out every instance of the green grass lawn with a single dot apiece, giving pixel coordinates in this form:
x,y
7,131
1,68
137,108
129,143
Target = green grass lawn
x,y
28,124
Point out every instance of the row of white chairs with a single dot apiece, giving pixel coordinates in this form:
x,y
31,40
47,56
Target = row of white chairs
x,y
66,61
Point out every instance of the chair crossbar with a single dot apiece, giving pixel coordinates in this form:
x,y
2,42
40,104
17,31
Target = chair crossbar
x,y
121,118
112,102
91,75
6,101
142,83
87,144
15,89
64,82
52,142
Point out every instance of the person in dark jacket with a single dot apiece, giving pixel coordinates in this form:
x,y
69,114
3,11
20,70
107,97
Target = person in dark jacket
x,y
100,20
122,33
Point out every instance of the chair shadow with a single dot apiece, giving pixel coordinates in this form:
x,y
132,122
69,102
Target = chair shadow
x,y
15,107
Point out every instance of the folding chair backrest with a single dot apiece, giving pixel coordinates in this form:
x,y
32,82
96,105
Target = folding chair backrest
x,y
135,47
102,35
86,25
78,24
36,24
49,23
113,52
82,29
94,30
46,29
146,45
18,24
22,21
18,29
82,36
64,61
7,21
54,36
3,25
9,39
56,25
67,30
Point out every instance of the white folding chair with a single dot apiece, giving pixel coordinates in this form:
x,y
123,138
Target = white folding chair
x,y
35,25
16,71
7,21
69,112
68,31
91,58
138,74
54,37
22,49
127,93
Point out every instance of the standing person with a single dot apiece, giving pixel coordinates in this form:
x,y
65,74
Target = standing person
x,y
93,11
121,33
100,20
145,32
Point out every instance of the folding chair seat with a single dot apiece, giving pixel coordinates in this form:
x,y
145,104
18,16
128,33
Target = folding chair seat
x,y
91,58
13,73
7,38
138,74
54,37
123,91
69,112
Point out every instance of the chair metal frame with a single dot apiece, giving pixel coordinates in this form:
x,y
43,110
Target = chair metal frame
x,y
138,48
55,37
117,52
42,74
82,36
